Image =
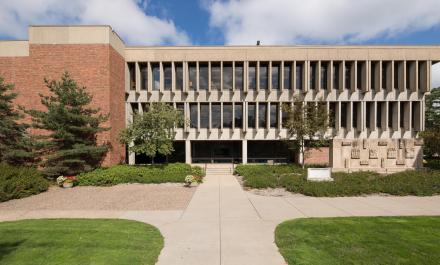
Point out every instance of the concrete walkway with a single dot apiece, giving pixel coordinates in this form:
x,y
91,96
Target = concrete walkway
x,y
225,225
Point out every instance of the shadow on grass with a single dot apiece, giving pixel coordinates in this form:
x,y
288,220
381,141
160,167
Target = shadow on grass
x,y
9,247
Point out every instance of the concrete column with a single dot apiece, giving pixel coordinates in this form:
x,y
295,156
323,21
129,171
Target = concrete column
x,y
138,76
188,152
244,152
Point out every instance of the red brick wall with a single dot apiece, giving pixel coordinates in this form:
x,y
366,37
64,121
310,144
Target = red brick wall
x,y
318,156
96,66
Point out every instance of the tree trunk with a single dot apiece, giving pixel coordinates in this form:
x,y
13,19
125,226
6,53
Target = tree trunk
x,y
152,160
303,153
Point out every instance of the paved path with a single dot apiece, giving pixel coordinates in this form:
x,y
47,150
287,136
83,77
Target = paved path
x,y
225,225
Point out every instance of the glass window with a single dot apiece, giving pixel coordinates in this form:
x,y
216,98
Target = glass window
x,y
323,75
287,75
238,118
227,75
227,115
252,76
344,111
368,114
390,114
193,115
215,75
156,76
313,75
179,76
373,75
262,115
181,107
408,75
379,114
332,114
251,115
238,75
355,114
273,115
264,73
275,76
396,75
335,75
192,69
203,76
204,115
132,72
168,76
144,75
384,75
284,116
216,118
299,76
359,74
347,75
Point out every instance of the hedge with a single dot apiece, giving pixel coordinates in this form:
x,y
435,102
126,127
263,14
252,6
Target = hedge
x,y
20,182
138,174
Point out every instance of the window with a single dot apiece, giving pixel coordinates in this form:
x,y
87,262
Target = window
x,y
132,72
134,107
168,76
204,115
238,115
384,75
181,107
284,116
262,115
215,75
374,65
275,75
251,115
192,69
396,75
203,76
408,75
239,75
347,75
379,115
299,76
332,114
336,75
287,75
227,115
216,118
360,67
273,115
390,114
264,75
313,66
355,114
156,76
179,76
252,75
323,75
402,115
344,110
368,114
227,75
144,75
193,115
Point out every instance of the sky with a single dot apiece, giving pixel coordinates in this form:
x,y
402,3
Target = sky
x,y
234,22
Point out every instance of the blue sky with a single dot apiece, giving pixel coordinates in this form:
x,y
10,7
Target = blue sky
x,y
233,22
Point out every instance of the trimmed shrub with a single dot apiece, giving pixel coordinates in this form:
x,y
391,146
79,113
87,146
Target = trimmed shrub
x,y
138,174
20,182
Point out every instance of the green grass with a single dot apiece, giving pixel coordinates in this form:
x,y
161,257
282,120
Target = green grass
x,y
138,174
363,240
293,178
79,241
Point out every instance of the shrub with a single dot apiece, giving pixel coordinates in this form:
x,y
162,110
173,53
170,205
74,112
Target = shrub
x,y
20,182
433,164
137,174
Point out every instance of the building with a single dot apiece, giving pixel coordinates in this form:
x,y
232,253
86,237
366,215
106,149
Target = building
x,y
232,95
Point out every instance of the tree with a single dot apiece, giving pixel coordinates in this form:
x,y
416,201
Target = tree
x,y
306,122
152,132
70,146
15,142
431,134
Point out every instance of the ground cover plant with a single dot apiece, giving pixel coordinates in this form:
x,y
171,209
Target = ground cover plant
x,y
360,240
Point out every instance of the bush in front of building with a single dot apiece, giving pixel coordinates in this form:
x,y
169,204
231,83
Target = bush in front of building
x,y
20,182
293,179
138,174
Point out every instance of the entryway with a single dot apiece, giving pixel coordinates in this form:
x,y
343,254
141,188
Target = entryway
x,y
216,151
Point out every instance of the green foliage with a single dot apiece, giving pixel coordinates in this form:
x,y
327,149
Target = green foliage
x,y
138,174
431,135
360,240
15,143
79,241
71,146
306,121
293,179
152,132
432,164
20,182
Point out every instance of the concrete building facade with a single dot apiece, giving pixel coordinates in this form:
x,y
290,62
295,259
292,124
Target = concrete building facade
x,y
232,95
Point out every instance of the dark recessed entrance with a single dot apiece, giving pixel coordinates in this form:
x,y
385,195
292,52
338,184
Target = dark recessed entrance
x,y
264,151
177,156
216,151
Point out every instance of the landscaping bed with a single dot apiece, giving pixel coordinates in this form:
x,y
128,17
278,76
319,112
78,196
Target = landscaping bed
x,y
293,179
20,182
79,241
360,240
139,174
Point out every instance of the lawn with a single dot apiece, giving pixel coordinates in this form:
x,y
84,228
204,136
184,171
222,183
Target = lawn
x,y
362,240
293,179
79,241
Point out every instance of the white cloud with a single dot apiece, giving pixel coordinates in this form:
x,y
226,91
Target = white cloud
x,y
436,75
338,21
126,17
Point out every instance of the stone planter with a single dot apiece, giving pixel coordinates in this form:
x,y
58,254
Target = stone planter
x,y
67,185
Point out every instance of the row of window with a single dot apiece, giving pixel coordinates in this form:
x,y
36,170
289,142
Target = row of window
x,y
230,75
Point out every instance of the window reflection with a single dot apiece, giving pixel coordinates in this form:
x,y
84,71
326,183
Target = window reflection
x,y
215,75
193,115
239,75
264,71
252,76
262,115
192,69
203,76
204,115
216,115
227,115
238,118
227,75
251,115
